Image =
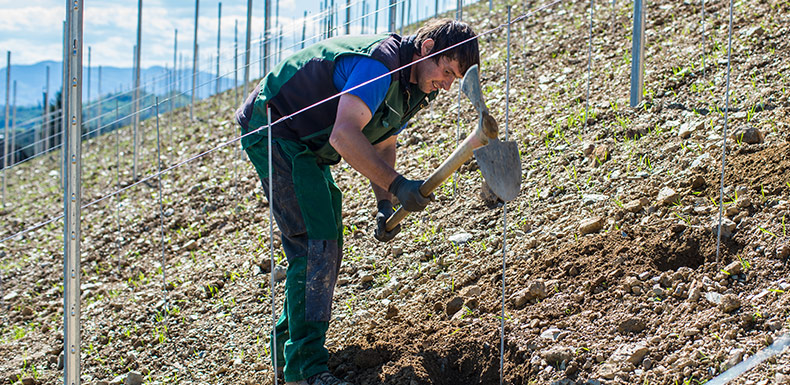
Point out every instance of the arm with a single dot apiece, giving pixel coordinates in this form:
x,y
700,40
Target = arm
x,y
347,139
386,151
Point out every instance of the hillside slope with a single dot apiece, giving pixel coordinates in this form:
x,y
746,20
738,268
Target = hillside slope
x,y
612,273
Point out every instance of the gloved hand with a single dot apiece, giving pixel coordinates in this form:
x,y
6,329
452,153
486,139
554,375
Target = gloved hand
x,y
408,193
384,212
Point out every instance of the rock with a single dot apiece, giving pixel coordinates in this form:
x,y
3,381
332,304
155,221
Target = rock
x,y
133,378
190,245
636,205
11,296
454,305
753,31
687,128
783,251
460,238
729,303
600,155
280,273
691,332
699,162
28,381
392,312
667,196
694,294
536,290
366,277
396,251
632,353
471,291
588,199
713,297
591,225
607,371
169,212
557,354
733,268
698,182
735,357
631,325
551,334
727,227
750,135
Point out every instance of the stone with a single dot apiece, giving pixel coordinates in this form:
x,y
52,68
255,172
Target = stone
x,y
460,238
749,135
392,312
667,196
698,182
735,357
28,381
11,296
713,297
729,303
551,334
727,227
632,353
366,277
133,378
734,268
636,205
600,155
453,306
631,325
557,354
471,291
591,225
695,294
588,199
753,31
783,251
280,273
190,245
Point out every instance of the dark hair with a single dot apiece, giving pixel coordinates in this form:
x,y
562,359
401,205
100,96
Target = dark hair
x,y
446,33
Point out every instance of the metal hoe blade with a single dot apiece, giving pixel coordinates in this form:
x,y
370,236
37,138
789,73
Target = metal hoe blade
x,y
501,167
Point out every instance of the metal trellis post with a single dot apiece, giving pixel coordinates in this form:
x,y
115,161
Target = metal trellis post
x,y
5,136
219,25
136,98
638,54
589,69
393,15
247,49
72,198
194,61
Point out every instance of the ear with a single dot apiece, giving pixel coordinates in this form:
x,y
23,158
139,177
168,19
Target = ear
x,y
426,47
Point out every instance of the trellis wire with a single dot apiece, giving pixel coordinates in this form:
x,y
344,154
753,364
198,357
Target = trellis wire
x,y
724,139
290,116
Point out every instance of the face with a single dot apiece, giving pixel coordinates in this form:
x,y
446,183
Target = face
x,y
430,75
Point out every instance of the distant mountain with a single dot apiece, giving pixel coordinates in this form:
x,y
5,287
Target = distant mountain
x,y
31,81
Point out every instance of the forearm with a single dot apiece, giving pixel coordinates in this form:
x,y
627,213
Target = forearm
x,y
387,152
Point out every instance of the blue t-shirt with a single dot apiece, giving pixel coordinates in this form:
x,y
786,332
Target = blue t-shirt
x,y
353,70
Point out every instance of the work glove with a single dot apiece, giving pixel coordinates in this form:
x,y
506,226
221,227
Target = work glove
x,y
408,193
384,212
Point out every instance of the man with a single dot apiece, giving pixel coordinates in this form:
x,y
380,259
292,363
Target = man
x,y
360,126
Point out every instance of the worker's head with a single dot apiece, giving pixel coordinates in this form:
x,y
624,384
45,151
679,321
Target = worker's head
x,y
441,70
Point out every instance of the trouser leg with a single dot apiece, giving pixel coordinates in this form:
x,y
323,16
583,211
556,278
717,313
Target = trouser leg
x,y
312,271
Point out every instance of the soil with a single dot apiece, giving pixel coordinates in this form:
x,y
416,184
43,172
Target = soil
x,y
614,273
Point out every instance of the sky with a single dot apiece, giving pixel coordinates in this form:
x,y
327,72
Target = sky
x,y
32,29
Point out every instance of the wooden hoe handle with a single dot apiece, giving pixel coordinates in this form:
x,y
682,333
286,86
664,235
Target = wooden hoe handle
x,y
487,128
